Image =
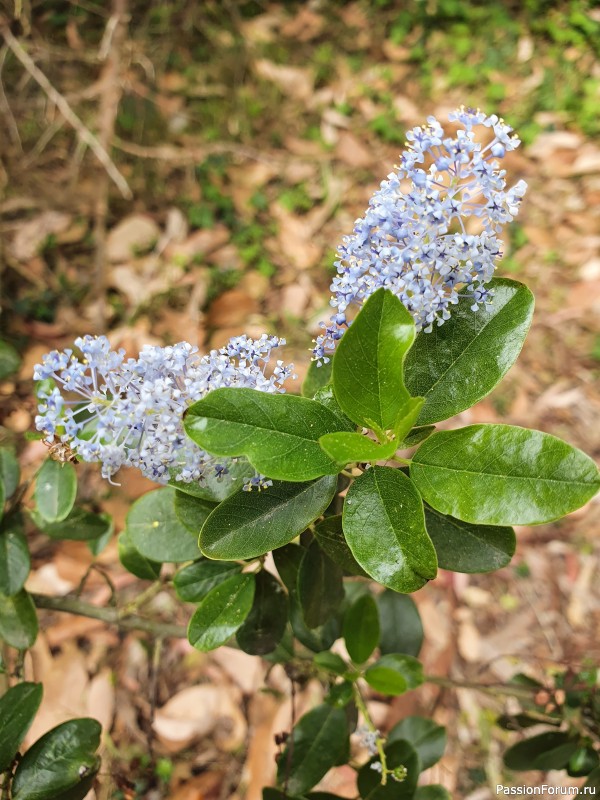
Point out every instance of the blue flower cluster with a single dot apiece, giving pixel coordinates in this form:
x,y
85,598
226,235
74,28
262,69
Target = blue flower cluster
x,y
129,412
429,234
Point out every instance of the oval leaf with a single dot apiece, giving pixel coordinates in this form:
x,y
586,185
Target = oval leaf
x,y
384,525
18,707
134,562
320,586
368,365
317,742
279,434
330,535
463,547
195,581
192,511
78,525
551,750
398,754
221,612
14,557
503,475
58,762
395,674
360,628
9,471
18,620
263,628
317,376
156,532
427,737
461,361
249,524
215,489
55,490
349,448
401,626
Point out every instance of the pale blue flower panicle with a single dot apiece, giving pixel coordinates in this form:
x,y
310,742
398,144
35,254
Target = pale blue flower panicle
x,y
129,412
414,238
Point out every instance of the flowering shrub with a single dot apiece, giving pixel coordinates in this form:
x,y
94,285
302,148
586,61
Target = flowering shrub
x,y
358,497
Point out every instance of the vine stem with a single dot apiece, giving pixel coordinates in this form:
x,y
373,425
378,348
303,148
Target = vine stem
x,y
362,707
112,616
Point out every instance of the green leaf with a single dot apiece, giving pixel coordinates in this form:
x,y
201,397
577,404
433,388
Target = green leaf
x,y
398,754
503,475
221,612
9,472
427,737
317,741
191,511
279,434
418,435
330,536
60,761
551,750
326,397
216,489
593,780
156,532
264,626
360,628
249,524
55,490
134,562
97,545
18,707
583,761
14,559
401,626
463,547
316,378
196,580
434,791
461,361
395,674
78,525
320,586
18,620
384,525
10,360
407,416
368,364
331,662
348,448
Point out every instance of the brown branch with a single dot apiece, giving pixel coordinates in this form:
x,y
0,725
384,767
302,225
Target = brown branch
x,y
65,109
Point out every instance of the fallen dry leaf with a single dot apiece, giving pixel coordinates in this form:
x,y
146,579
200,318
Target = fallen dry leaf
x,y
31,235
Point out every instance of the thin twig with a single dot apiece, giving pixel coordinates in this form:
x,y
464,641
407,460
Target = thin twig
x,y
65,109
13,130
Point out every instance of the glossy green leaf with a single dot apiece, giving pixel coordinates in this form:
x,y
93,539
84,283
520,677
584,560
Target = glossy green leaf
x,y
401,626
263,628
97,545
249,524
398,754
349,448
134,562
326,397
395,674
427,737
14,559
407,417
9,472
156,532
192,511
434,791
269,793
464,547
384,526
78,525
418,435
551,750
279,434
317,741
18,620
215,489
503,475
55,490
316,378
10,360
360,628
287,560
331,662
59,762
18,707
583,761
330,535
368,364
221,612
320,586
461,361
196,580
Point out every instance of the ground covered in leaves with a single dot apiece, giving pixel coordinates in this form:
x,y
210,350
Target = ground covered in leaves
x,y
245,139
